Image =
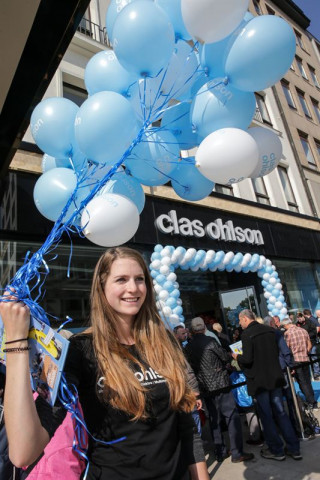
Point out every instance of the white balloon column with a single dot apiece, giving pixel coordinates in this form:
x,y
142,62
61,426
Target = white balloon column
x,y
165,261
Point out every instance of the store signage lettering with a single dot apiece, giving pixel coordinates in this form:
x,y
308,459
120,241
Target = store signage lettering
x,y
217,230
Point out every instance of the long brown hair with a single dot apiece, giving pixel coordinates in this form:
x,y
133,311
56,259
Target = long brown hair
x,y
153,343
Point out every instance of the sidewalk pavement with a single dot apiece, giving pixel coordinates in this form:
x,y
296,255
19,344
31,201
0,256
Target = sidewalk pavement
x,y
262,469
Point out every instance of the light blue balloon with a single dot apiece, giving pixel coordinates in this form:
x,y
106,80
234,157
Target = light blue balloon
x,y
264,283
269,270
173,10
189,183
281,298
269,287
217,259
177,310
261,54
255,260
160,279
155,256
175,293
217,106
168,286
213,55
52,126
176,119
275,292
114,9
158,248
104,72
275,311
53,190
48,163
198,258
154,273
123,184
236,259
153,160
105,126
171,302
143,38
198,80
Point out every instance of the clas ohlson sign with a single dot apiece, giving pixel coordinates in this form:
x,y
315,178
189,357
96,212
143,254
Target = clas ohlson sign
x,y
170,223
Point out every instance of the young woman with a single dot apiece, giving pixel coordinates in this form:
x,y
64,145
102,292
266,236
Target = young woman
x,y
131,379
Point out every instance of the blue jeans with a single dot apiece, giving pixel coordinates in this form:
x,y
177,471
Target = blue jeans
x,y
313,356
222,406
271,410
196,418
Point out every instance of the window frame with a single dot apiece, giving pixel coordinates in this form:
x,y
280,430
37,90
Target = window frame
x,y
292,203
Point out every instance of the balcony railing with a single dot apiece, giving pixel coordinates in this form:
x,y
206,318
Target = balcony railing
x,y
94,31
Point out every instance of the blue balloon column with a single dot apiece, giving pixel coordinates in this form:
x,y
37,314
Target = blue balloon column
x,y
165,261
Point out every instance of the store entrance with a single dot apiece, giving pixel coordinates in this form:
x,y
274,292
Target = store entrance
x,y
233,301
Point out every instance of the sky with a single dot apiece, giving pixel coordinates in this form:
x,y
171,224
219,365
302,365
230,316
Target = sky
x,y
311,9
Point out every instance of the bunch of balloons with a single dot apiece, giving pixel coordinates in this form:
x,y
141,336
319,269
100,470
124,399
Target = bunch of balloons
x,y
165,260
182,74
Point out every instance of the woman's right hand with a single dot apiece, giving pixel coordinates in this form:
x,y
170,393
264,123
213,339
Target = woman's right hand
x,y
15,316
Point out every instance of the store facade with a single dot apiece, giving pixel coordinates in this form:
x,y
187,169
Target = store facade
x,y
294,251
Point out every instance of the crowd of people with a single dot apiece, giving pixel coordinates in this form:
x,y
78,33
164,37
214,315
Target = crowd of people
x,y
145,390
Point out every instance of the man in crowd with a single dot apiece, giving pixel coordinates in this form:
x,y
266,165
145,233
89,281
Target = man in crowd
x,y
299,343
310,327
260,364
209,362
181,333
307,314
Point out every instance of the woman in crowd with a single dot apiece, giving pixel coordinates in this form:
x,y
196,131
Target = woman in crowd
x,y
131,379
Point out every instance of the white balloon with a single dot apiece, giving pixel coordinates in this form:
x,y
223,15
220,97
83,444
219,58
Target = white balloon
x,y
172,277
110,220
156,264
272,281
165,252
167,311
272,299
228,258
278,305
166,261
270,150
163,295
283,311
278,286
157,288
266,277
246,259
164,269
267,295
227,156
174,318
212,20
190,253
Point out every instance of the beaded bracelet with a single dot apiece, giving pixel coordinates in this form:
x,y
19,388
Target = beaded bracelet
x,y
16,349
15,341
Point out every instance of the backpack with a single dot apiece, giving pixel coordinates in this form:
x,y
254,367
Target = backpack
x,y
309,421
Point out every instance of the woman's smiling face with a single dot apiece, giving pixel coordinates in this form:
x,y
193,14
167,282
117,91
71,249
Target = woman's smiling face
x,y
125,288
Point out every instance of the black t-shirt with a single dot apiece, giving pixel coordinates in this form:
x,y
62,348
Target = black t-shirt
x,y
159,448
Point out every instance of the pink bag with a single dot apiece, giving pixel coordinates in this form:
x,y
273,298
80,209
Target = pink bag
x,y
60,461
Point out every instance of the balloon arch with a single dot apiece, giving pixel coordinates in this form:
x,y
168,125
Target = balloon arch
x,y
165,260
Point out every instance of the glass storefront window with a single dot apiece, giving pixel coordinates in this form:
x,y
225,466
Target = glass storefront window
x,y
300,282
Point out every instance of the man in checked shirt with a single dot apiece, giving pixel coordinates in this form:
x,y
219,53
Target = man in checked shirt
x,y
299,343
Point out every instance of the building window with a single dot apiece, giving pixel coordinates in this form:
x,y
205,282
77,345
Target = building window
x,y
307,149
316,109
287,188
262,114
304,104
288,94
317,143
75,94
299,40
257,7
270,11
314,76
260,191
225,189
301,68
